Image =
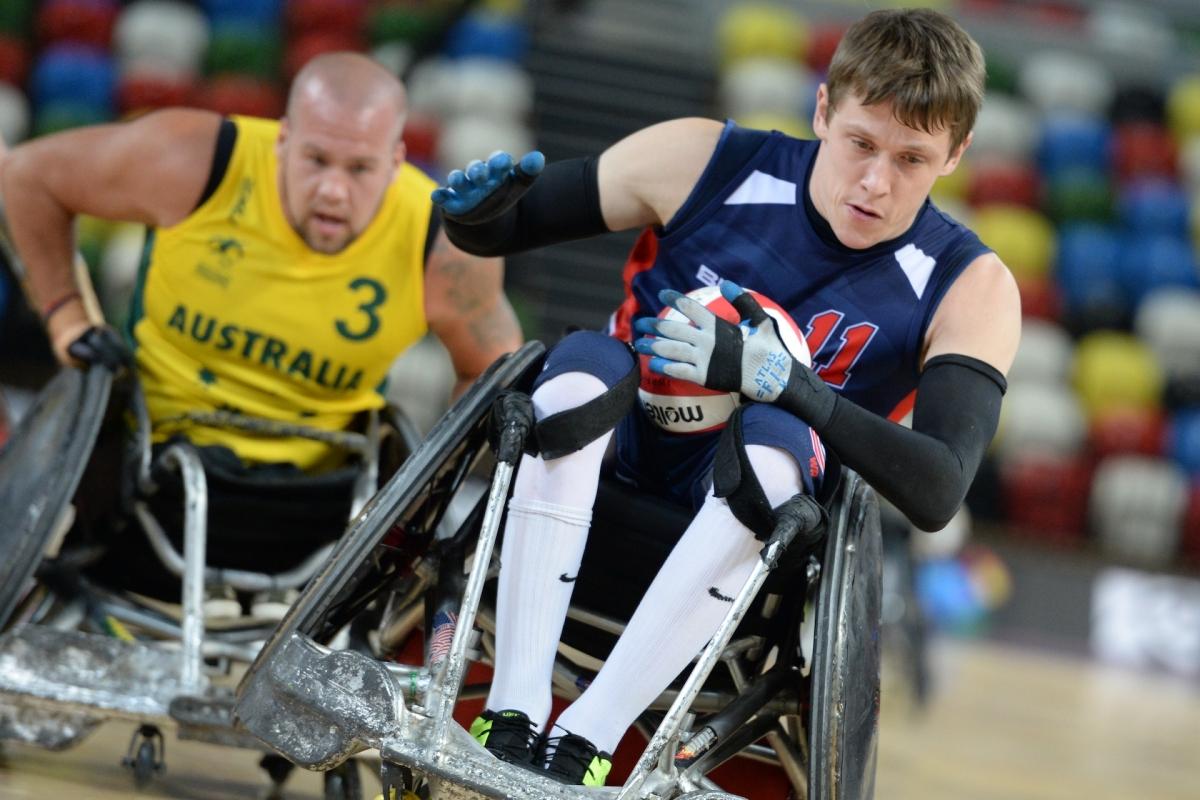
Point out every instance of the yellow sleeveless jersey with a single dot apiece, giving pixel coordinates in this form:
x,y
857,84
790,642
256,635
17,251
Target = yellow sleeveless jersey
x,y
234,312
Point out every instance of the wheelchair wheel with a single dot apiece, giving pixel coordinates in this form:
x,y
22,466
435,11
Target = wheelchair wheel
x,y
844,721
373,556
40,469
402,518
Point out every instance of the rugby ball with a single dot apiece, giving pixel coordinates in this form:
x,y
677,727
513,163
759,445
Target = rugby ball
x,y
681,406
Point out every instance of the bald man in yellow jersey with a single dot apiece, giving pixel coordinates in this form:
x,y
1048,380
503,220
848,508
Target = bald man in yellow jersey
x,y
287,264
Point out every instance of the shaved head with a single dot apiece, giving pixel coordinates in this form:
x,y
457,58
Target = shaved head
x,y
339,147
347,83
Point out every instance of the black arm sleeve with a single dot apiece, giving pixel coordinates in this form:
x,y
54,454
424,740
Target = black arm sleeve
x,y
561,205
925,471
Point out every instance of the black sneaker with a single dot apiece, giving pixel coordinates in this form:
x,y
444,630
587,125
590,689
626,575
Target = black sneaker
x,y
573,759
508,735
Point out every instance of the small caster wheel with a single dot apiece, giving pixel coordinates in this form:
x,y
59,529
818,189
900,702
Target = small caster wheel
x,y
145,755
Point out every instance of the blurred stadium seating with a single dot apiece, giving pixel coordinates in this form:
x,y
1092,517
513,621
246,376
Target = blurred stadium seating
x,y
1084,176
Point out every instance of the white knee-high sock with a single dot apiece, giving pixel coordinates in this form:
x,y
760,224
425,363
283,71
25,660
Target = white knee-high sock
x,y
681,610
544,536
543,543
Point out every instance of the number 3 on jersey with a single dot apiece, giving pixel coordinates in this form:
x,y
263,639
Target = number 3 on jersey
x,y
367,325
835,370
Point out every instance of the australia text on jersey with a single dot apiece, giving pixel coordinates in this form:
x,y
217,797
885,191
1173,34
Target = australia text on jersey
x,y
266,350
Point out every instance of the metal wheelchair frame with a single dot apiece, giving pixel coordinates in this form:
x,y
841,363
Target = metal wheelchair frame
x,y
318,707
57,683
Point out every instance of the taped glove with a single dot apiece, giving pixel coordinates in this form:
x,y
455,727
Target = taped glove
x,y
487,189
749,357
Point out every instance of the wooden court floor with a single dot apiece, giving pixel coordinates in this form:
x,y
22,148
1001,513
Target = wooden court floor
x,y
1003,724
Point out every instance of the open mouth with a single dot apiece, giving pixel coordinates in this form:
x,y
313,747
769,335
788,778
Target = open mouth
x,y
862,211
328,222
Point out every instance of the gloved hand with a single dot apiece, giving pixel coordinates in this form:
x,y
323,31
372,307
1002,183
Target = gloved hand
x,y
749,358
101,344
485,190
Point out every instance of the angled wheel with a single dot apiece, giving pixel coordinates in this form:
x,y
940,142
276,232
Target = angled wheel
x,y
403,517
40,469
378,547
844,722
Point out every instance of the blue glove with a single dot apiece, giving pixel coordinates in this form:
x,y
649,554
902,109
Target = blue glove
x,y
750,358
485,190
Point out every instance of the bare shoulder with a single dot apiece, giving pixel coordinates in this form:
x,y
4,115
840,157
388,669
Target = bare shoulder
x,y
177,134
179,120
180,141
980,316
151,169
685,132
645,177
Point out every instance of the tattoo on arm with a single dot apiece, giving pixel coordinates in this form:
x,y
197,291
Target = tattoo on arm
x,y
476,321
465,291
495,329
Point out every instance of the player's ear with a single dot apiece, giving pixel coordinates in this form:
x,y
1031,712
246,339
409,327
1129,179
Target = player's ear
x,y
820,120
956,156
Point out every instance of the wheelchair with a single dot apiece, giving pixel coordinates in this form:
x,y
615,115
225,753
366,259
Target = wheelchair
x,y
791,678
79,645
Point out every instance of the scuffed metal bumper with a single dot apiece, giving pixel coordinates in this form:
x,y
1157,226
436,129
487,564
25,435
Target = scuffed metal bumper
x,y
318,708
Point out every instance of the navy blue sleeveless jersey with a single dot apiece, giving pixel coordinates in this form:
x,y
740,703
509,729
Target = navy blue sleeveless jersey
x,y
750,220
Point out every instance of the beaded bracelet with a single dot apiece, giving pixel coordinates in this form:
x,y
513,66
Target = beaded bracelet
x,y
57,305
